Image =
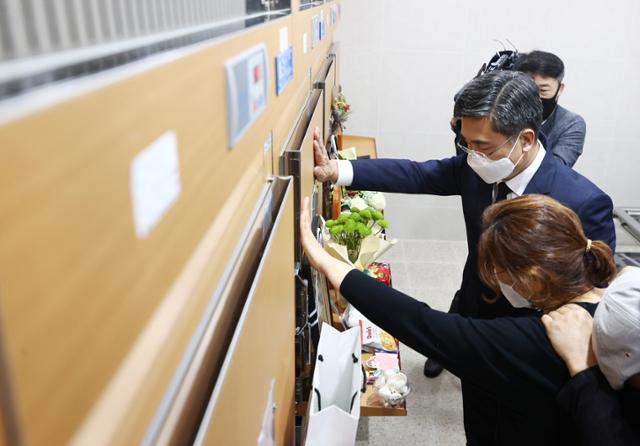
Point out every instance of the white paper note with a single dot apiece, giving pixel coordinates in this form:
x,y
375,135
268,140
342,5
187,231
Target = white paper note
x,y
155,182
284,38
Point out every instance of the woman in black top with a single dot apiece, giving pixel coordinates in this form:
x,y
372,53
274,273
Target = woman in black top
x,y
534,252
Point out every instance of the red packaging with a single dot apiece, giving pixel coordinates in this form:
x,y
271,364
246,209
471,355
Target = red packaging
x,y
381,271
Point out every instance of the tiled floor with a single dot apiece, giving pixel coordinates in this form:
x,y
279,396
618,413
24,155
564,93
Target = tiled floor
x,y
430,271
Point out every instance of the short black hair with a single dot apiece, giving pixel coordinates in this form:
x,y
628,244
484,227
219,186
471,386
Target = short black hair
x,y
509,98
541,63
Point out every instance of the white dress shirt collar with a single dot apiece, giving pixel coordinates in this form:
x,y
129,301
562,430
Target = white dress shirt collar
x,y
520,182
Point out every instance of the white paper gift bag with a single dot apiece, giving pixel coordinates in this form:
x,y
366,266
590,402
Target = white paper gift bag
x,y
335,401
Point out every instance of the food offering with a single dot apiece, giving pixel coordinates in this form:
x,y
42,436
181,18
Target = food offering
x,y
392,387
381,271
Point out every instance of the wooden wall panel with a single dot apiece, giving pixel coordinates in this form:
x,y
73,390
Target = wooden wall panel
x,y
77,286
314,58
285,123
306,69
263,352
96,320
327,97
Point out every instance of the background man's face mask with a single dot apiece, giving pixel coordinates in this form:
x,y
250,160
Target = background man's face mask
x,y
492,171
549,104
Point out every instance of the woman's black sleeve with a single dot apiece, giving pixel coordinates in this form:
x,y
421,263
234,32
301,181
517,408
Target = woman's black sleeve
x,y
596,409
508,353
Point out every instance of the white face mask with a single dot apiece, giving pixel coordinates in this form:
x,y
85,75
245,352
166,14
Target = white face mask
x,y
514,298
492,171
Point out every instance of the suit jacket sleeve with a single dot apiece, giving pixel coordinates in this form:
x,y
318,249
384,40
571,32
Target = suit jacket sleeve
x,y
596,410
437,177
569,145
596,215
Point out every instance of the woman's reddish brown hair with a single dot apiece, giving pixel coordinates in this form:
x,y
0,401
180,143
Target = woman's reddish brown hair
x,y
540,242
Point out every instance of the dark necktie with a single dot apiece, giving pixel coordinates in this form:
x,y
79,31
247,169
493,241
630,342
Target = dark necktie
x,y
502,191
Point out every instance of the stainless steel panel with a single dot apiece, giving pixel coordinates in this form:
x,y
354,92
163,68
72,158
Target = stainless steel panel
x,y
630,220
62,24
82,37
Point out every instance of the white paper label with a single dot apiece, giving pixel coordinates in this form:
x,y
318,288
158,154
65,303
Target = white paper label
x,y
304,43
155,182
284,39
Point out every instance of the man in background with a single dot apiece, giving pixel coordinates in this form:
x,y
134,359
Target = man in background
x,y
562,130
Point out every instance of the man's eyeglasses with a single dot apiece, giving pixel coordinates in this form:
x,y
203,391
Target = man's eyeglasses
x,y
462,146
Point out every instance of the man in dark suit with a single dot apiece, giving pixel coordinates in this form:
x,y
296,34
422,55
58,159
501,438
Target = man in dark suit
x,y
563,129
501,158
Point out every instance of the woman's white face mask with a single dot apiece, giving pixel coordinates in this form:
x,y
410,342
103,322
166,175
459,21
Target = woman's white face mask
x,y
492,171
515,299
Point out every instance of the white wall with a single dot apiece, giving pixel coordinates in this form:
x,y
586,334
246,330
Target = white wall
x,y
403,60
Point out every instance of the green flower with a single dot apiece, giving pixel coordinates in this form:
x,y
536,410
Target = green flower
x,y
336,230
363,229
350,227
